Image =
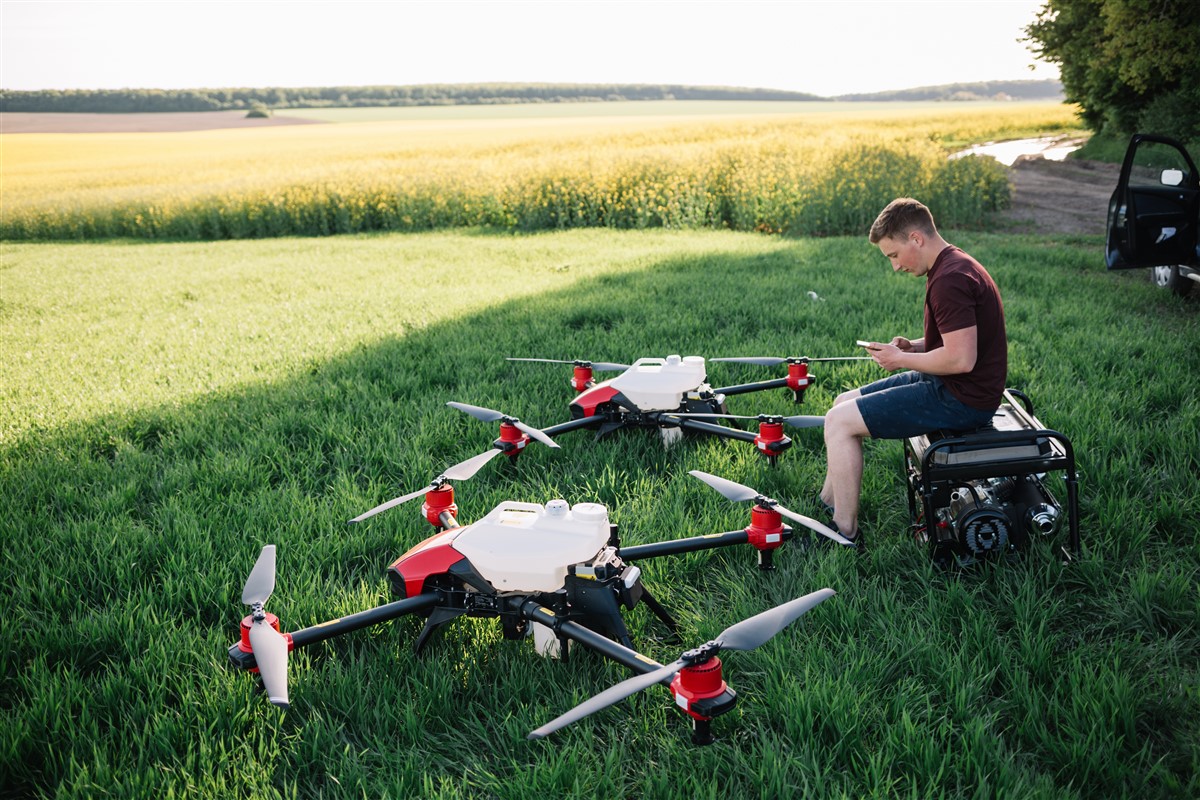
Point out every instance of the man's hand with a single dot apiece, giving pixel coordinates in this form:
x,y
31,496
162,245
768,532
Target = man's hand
x,y
889,356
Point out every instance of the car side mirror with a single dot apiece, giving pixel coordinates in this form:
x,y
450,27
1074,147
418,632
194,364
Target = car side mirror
x,y
1171,177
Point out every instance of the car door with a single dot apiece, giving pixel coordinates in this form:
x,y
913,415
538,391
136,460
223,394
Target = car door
x,y
1154,213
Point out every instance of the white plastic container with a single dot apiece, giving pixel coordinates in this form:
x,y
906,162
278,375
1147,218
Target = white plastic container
x,y
525,547
659,384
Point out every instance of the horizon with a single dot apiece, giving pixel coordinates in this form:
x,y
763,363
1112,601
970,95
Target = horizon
x,y
564,84
761,44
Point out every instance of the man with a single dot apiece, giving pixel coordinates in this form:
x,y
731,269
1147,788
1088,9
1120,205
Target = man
x,y
956,371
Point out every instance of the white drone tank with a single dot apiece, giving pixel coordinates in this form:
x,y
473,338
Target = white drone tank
x,y
525,547
659,384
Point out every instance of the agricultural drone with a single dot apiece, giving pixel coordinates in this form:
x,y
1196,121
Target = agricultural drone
x,y
555,572
670,395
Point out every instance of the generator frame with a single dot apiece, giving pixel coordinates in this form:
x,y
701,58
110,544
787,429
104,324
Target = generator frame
x,y
1017,447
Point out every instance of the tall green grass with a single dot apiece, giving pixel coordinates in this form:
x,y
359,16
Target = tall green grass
x,y
292,384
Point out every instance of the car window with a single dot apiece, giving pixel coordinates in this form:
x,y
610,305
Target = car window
x,y
1157,164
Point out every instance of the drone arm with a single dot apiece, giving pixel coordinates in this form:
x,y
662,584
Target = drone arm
x,y
781,383
336,627
572,425
689,545
606,647
710,428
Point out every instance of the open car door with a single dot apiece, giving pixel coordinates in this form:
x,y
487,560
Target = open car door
x,y
1155,211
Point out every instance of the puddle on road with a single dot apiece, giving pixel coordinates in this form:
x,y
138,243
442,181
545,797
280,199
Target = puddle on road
x,y
1053,148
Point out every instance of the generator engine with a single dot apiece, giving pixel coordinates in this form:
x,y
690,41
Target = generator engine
x,y
987,518
980,495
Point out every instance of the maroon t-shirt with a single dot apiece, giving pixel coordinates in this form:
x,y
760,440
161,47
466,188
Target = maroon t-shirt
x,y
959,294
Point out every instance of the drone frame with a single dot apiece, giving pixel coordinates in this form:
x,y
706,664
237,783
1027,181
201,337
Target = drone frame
x,y
442,585
610,411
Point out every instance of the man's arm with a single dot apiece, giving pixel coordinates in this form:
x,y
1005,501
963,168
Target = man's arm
x,y
956,355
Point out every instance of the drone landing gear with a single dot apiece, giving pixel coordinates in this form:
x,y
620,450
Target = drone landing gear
x,y
437,619
659,611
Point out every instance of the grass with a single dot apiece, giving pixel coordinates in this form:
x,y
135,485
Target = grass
x,y
169,408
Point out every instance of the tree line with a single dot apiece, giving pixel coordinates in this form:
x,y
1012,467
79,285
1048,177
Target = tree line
x,y
108,101
981,90
1130,65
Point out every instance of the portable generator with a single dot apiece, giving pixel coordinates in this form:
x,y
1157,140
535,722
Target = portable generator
x,y
980,495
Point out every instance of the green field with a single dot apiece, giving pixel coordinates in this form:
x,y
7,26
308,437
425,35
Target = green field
x,y
168,408
823,169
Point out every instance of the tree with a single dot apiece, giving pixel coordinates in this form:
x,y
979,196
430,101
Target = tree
x,y
1128,64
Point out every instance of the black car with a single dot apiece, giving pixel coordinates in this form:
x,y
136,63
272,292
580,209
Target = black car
x,y
1154,213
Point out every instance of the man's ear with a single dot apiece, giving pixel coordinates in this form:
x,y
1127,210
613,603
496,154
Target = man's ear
x,y
917,238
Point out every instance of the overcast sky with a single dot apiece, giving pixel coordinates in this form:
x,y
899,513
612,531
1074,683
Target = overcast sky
x,y
825,48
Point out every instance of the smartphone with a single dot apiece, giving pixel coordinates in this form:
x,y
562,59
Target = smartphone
x,y
861,343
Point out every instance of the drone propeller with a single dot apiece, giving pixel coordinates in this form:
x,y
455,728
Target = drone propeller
x,y
745,635
799,421
771,362
603,366
488,415
459,472
269,645
737,493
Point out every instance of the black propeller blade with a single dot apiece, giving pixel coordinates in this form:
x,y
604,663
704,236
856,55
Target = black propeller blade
x,y
771,362
488,415
738,493
459,472
603,366
745,635
269,645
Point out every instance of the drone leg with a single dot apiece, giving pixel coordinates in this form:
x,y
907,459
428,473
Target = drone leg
x,y
702,732
437,619
660,611
766,559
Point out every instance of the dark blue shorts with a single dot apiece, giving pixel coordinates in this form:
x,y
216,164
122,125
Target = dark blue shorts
x,y
911,403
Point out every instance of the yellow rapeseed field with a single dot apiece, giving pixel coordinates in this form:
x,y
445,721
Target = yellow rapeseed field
x,y
823,172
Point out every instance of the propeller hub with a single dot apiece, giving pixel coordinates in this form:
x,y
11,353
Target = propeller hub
x,y
704,652
249,622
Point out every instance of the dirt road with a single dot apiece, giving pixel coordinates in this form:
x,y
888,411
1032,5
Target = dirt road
x,y
1059,196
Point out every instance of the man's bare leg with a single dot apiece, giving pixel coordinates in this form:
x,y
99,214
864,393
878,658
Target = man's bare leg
x,y
844,433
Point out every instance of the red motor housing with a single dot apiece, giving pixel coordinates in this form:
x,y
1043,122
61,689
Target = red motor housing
x,y
696,683
770,440
582,378
765,529
797,379
437,502
512,439
247,622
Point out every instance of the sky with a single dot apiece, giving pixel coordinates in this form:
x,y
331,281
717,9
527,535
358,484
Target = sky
x,y
814,46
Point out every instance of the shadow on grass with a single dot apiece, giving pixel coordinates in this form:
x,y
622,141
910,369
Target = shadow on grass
x,y
129,538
